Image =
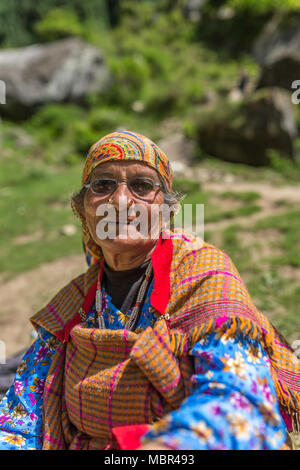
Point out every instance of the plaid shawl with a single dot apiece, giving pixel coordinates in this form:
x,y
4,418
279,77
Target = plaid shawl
x,y
101,379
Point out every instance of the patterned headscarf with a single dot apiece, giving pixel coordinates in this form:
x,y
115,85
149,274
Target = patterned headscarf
x,y
128,146
122,146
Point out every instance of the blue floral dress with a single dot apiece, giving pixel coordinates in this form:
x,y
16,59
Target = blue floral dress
x,y
233,404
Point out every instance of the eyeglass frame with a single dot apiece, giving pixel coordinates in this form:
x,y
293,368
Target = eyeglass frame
x,y
88,185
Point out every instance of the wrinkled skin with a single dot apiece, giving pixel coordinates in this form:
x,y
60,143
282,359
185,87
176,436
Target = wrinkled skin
x,y
122,254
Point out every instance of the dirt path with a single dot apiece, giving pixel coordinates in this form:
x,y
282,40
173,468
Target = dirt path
x,y
24,295
272,201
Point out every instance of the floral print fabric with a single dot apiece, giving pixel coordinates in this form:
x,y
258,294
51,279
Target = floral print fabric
x,y
21,408
232,404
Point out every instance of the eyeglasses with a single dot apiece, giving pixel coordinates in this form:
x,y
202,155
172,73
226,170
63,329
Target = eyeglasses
x,y
140,187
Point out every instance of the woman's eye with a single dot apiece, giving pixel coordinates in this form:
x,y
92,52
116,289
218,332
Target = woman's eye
x,y
103,186
142,186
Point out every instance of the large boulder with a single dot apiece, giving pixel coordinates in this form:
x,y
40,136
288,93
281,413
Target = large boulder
x,y
278,52
192,9
246,132
61,71
180,149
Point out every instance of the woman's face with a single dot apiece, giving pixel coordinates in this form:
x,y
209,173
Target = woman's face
x,y
118,229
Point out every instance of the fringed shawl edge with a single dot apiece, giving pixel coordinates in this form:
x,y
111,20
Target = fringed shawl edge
x,y
244,328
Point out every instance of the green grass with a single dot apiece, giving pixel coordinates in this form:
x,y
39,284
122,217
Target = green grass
x,y
281,173
213,210
246,196
35,202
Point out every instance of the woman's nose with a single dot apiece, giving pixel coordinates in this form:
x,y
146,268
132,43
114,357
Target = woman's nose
x,y
121,196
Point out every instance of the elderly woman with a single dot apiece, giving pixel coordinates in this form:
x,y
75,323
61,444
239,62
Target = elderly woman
x,y
157,345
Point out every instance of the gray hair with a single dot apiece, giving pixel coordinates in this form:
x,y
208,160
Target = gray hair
x,y
171,197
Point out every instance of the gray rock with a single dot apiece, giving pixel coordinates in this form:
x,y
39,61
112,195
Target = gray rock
x,y
246,132
192,9
61,71
68,230
278,52
225,13
177,147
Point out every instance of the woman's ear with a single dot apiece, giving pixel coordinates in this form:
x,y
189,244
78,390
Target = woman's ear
x,y
81,213
77,204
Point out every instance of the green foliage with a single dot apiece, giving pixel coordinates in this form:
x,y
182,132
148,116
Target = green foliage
x,y
247,196
57,119
285,166
63,133
27,21
130,73
155,59
263,6
58,23
186,186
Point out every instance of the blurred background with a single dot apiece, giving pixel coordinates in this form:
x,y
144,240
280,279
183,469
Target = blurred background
x,y
213,82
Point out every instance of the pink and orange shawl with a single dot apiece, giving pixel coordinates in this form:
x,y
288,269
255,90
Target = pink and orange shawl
x,y
102,379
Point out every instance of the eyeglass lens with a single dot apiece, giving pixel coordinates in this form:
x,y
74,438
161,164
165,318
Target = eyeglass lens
x,y
141,187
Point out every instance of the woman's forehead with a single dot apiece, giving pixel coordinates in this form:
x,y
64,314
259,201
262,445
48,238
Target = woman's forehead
x,y
127,167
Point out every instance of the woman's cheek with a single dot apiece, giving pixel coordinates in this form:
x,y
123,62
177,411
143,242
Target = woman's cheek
x,y
91,217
